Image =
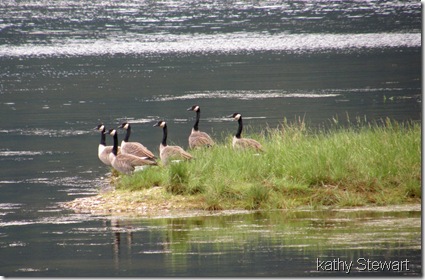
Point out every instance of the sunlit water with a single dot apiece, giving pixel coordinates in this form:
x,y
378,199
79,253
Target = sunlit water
x,y
65,66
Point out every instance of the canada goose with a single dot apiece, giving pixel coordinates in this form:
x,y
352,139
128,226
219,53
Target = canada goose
x,y
238,141
125,163
170,152
198,138
133,148
103,151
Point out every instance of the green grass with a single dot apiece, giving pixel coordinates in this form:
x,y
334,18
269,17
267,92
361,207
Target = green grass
x,y
362,164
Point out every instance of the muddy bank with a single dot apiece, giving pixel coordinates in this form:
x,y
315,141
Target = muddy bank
x,y
156,202
148,203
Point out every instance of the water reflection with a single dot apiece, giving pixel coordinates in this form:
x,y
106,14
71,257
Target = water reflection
x,y
120,231
276,243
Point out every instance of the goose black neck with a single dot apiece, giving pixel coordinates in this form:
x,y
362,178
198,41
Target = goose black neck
x,y
103,138
198,116
164,135
115,147
239,132
127,135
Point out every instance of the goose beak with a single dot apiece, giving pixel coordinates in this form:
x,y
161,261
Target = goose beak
x,y
230,116
189,109
156,125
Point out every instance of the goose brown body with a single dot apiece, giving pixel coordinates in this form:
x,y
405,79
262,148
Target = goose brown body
x,y
239,142
133,148
125,163
198,138
168,153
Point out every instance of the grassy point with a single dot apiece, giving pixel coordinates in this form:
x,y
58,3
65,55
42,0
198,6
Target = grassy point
x,y
359,164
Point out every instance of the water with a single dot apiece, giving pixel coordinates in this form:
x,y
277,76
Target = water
x,y
258,244
65,66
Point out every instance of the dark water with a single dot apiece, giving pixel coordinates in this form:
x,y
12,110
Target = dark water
x,y
259,244
65,66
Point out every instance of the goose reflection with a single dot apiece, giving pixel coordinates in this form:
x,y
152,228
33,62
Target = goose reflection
x,y
118,230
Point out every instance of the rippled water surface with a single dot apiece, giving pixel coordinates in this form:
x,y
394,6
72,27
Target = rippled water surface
x,y
256,244
66,66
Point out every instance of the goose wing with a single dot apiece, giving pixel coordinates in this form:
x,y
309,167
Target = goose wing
x,y
248,143
174,152
136,149
182,153
199,139
126,163
135,161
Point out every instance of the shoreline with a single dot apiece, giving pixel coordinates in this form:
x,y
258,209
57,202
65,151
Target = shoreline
x,y
145,202
157,203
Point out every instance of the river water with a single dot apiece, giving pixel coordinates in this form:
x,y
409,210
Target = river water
x,y
66,66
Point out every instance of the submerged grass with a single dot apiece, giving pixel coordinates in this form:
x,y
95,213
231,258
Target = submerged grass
x,y
362,164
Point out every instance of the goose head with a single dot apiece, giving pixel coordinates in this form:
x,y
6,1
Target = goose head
x,y
194,108
235,116
160,124
100,127
124,125
112,132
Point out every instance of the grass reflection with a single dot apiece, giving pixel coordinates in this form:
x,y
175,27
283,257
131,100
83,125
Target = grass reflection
x,y
283,234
